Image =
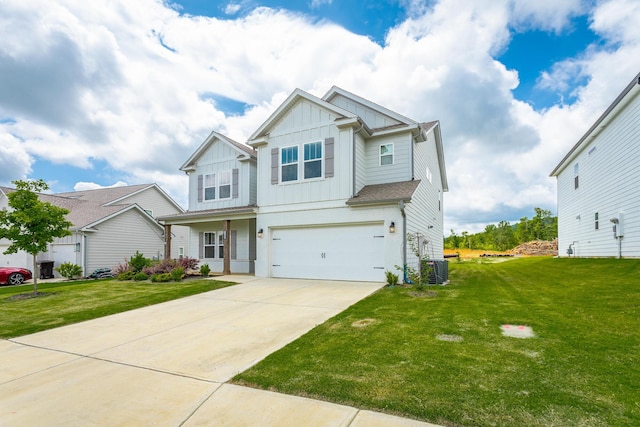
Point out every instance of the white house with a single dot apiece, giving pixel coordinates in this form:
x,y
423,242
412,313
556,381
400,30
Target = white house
x,y
222,202
331,191
599,184
109,226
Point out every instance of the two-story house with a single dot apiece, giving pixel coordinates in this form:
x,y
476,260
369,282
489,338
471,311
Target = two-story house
x,y
222,203
337,188
598,184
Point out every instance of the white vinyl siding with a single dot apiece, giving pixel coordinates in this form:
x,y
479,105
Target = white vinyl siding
x,y
242,237
373,119
608,185
399,170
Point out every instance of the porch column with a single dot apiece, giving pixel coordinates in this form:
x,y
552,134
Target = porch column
x,y
226,267
167,241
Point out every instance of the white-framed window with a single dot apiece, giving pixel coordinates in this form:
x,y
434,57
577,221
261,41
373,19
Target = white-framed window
x,y
209,243
209,188
289,164
221,245
386,154
224,185
576,173
313,160
429,175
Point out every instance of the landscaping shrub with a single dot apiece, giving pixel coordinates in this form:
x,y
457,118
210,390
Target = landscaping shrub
x,y
188,263
120,268
126,275
177,274
138,262
205,270
69,270
392,279
162,277
140,276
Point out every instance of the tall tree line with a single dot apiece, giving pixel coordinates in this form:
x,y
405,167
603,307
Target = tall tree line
x,y
505,236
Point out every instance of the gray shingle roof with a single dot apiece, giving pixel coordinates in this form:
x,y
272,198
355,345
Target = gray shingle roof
x,y
385,193
221,213
88,207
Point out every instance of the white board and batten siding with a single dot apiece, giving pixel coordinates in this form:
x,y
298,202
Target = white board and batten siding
x,y
608,184
217,158
120,237
305,122
400,170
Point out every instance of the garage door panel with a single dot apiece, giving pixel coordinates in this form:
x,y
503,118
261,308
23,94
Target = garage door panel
x,y
334,253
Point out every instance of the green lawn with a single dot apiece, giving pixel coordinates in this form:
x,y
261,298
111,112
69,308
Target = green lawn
x,y
581,369
76,301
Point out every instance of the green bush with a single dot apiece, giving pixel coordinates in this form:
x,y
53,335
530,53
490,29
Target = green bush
x,y
205,270
140,276
138,262
126,275
392,279
161,278
177,274
69,270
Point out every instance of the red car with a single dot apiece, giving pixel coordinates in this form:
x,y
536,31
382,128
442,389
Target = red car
x,y
14,275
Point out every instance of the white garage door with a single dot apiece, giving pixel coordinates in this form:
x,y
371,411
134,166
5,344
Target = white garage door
x,y
14,260
332,253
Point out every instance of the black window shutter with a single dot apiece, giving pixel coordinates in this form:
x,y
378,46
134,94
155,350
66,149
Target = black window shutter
x,y
328,157
234,183
233,246
274,165
200,187
200,245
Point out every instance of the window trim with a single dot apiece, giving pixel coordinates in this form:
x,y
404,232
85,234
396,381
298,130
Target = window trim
x,y
576,175
282,164
205,244
205,187
392,154
318,159
220,173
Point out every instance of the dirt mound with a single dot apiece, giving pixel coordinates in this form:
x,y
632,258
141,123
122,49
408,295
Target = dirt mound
x,y
536,247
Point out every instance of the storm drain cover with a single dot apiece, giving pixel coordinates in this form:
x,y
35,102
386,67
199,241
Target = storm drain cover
x,y
517,331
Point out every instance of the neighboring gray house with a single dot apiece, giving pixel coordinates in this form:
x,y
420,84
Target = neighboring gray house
x,y
222,201
331,192
599,184
109,226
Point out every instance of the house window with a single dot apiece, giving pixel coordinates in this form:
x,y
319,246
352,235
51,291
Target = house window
x,y
313,160
575,175
386,154
224,185
181,252
289,164
210,186
596,221
209,245
439,200
221,245
429,175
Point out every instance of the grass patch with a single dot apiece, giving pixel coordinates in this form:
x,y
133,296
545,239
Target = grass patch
x,y
76,301
444,359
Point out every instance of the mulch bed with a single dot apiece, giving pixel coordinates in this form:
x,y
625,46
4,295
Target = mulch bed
x,y
30,295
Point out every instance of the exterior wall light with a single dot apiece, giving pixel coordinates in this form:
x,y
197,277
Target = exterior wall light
x,y
392,227
260,233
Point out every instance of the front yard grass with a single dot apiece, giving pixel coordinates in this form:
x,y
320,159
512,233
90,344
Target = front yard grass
x,y
441,356
76,301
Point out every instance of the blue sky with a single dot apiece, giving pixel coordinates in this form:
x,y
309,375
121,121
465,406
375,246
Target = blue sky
x,y
120,92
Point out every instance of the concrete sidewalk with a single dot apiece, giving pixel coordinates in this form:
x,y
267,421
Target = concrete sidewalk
x,y
168,364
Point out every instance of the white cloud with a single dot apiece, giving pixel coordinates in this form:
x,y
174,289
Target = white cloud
x,y
82,186
129,83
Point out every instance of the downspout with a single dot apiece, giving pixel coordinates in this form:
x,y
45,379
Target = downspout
x,y
84,254
353,161
404,243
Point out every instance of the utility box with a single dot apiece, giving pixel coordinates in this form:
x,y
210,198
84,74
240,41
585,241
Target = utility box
x,y
46,269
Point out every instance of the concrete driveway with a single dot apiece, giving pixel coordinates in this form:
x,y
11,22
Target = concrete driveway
x,y
168,364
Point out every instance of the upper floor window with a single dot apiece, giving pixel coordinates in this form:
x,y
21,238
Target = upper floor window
x,y
386,154
289,164
576,170
313,160
210,186
224,185
429,175
217,186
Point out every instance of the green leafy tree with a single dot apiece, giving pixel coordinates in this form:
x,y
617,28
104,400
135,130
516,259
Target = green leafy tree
x,y
31,224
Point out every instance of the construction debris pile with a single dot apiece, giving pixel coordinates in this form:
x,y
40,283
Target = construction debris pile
x,y
537,247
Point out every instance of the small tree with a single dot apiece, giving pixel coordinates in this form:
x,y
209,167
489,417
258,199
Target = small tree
x,y
32,224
